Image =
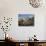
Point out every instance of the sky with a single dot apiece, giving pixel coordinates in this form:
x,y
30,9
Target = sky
x,y
20,16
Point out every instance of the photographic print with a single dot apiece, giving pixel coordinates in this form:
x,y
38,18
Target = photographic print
x,y
26,20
